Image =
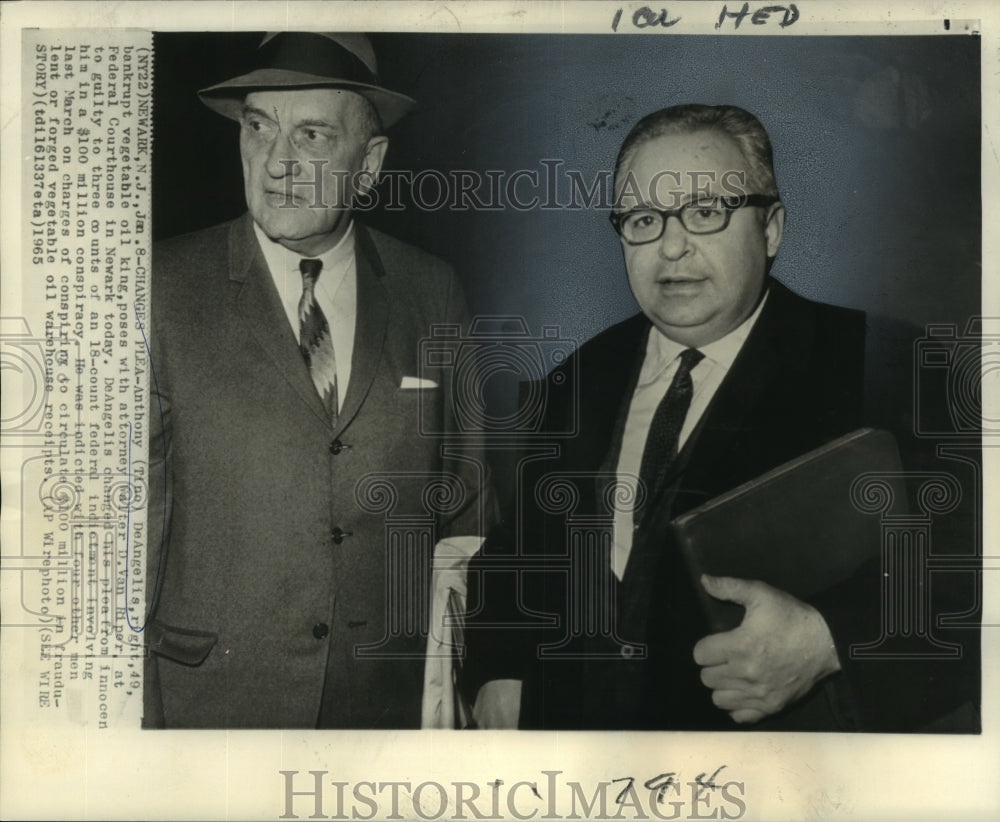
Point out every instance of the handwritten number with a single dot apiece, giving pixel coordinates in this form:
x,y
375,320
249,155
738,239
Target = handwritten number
x,y
710,784
668,781
614,23
661,783
628,787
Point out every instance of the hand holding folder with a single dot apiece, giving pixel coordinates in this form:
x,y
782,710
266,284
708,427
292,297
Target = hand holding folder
x,y
794,527
780,650
759,552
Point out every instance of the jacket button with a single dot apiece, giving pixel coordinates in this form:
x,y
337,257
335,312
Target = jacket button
x,y
338,535
336,447
320,630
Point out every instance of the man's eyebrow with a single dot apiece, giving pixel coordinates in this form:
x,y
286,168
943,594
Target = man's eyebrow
x,y
680,201
259,112
642,204
308,122
312,121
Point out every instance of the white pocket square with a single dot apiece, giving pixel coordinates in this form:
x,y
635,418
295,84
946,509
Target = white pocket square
x,y
416,382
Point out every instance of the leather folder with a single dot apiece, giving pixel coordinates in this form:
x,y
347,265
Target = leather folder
x,y
795,527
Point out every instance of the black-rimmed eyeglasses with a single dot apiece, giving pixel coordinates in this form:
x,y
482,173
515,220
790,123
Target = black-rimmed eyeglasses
x,y
646,225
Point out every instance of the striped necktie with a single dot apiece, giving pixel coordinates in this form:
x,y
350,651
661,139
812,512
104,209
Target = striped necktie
x,y
314,338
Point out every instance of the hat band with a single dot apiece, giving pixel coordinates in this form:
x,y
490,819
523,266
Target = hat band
x,y
314,54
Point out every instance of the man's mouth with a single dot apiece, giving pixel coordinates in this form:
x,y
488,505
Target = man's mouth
x,y
680,281
281,196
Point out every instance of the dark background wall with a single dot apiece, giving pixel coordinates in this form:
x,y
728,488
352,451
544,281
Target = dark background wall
x,y
877,152
877,145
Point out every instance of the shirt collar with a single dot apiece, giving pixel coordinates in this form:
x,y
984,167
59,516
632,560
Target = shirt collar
x,y
282,260
661,351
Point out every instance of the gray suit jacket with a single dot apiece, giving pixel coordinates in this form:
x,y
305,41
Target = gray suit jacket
x,y
292,585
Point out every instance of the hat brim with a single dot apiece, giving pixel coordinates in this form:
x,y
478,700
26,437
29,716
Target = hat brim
x,y
227,98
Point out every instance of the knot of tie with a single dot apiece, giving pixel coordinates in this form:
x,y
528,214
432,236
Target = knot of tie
x,y
690,357
310,270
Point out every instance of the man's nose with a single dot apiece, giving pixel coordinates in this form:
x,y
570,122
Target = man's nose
x,y
675,241
280,159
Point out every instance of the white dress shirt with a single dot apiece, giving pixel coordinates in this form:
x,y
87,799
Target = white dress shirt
x,y
658,368
336,293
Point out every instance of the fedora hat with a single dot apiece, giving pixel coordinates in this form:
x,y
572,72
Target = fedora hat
x,y
296,59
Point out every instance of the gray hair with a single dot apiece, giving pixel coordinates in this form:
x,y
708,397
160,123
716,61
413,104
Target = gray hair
x,y
740,125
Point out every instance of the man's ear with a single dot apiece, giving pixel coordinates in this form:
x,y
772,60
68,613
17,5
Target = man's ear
x,y
371,163
774,227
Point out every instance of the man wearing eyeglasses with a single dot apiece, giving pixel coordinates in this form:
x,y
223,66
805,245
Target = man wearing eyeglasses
x,y
724,375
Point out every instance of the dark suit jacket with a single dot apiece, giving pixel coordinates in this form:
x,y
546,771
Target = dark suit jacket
x,y
277,563
798,382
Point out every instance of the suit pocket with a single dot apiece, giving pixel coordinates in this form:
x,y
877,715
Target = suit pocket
x,y
180,644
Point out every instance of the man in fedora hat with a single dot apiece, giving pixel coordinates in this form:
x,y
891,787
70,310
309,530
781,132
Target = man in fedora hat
x,y
291,421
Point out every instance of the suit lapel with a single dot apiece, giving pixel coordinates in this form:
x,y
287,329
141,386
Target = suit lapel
x,y
371,328
764,358
260,307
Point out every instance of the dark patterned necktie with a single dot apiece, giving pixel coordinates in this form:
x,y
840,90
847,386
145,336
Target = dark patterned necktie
x,y
665,429
314,338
